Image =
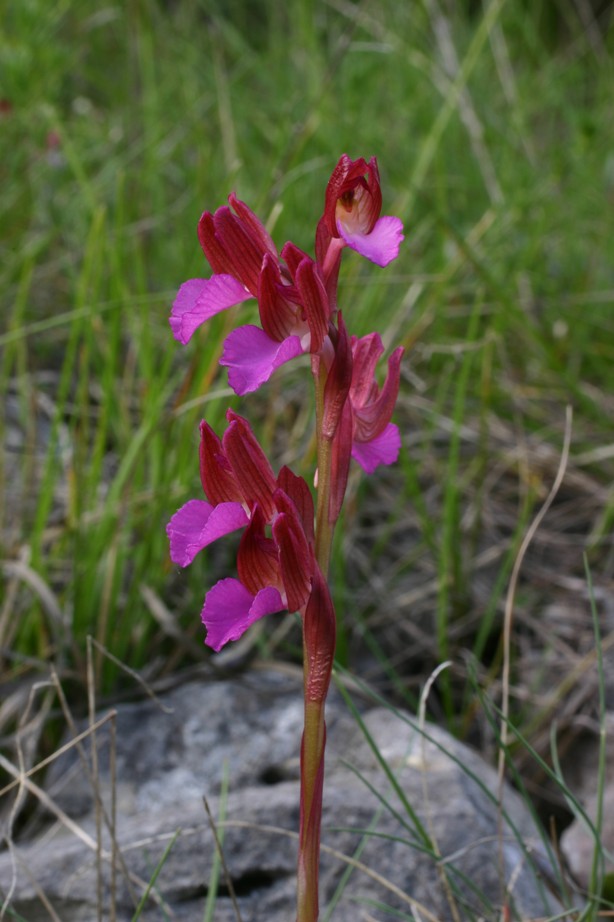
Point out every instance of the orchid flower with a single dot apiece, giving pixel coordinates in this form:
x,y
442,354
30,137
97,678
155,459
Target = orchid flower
x,y
364,431
375,440
292,302
235,245
352,207
294,316
274,573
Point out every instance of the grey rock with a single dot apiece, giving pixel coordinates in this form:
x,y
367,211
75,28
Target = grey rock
x,y
581,772
247,731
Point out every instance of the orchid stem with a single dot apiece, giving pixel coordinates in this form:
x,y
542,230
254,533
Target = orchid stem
x,y
324,527
314,733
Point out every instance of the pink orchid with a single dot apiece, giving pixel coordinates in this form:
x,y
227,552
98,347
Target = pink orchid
x,y
294,313
363,430
352,206
375,440
285,551
274,572
292,301
235,245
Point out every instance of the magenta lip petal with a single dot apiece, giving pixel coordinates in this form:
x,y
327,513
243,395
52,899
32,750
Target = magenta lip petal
x,y
198,524
252,356
230,609
199,299
383,449
381,246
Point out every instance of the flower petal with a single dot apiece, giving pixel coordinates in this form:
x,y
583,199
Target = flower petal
x,y
199,299
198,523
383,449
216,474
314,299
296,560
257,561
381,246
230,609
250,465
297,490
338,381
371,418
251,357
279,317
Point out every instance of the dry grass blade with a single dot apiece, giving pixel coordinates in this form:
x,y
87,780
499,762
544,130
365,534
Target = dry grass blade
x,y
220,851
509,611
61,751
425,789
132,673
75,829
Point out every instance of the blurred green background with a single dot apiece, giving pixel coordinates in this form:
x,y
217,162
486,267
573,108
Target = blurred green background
x,y
493,126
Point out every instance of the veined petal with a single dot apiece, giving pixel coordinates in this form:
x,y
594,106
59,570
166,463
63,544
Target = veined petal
x,y
328,257
251,357
366,351
199,299
293,256
198,523
295,558
372,417
230,609
338,382
314,300
383,449
243,249
216,473
297,490
250,465
257,559
278,316
381,246
254,225
340,462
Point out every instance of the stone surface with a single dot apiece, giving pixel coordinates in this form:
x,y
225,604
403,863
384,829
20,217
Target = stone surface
x,y
247,730
581,773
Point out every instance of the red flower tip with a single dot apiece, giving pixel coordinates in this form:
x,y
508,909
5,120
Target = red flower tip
x,y
235,243
353,196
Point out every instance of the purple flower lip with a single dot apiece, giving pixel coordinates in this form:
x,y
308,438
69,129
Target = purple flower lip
x,y
200,299
230,609
197,524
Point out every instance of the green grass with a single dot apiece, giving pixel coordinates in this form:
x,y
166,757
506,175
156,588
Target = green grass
x,y
119,126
